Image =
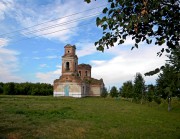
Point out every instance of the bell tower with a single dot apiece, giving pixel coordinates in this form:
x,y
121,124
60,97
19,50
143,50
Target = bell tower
x,y
69,60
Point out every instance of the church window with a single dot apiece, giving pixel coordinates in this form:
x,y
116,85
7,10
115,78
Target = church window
x,y
86,73
79,73
67,66
75,66
83,90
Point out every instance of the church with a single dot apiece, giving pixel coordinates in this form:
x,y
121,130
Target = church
x,y
76,80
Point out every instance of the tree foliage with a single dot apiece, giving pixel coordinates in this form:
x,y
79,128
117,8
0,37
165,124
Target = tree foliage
x,y
1,87
167,82
174,60
114,92
150,94
139,87
150,21
127,89
104,92
27,88
142,20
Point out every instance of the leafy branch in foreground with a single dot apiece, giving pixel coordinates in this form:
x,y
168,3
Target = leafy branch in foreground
x,y
142,21
150,21
174,61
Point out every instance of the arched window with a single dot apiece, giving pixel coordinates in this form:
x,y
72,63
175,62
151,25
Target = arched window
x,y
67,66
79,73
75,66
86,73
83,90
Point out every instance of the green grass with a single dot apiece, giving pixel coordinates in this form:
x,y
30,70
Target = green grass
x,y
27,117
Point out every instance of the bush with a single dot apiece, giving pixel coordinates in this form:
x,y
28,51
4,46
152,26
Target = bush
x,y
104,92
114,92
157,100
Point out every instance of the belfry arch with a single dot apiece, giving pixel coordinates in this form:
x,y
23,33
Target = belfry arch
x,y
67,66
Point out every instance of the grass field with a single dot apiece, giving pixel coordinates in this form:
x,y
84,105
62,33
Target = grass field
x,y
26,117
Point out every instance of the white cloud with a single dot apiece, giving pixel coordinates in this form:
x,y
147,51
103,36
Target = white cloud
x,y
36,58
4,6
52,57
48,77
85,48
48,57
98,62
33,15
43,65
3,42
9,64
126,64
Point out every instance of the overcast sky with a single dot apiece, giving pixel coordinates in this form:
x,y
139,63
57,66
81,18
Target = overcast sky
x,y
33,34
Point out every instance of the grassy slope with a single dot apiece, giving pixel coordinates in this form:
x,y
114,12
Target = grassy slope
x,y
88,118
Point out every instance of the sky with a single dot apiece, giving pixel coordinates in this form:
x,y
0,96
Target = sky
x,y
33,34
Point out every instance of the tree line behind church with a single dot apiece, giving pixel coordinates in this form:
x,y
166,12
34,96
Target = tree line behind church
x,y
136,90
167,84
40,89
167,87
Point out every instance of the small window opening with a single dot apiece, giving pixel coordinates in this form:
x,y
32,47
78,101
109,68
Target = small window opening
x,y
86,73
68,51
75,66
83,90
79,73
67,66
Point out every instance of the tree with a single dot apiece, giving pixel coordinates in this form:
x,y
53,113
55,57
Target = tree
x,y
174,61
150,92
27,88
1,87
139,19
150,21
104,92
139,87
167,84
114,92
127,89
9,88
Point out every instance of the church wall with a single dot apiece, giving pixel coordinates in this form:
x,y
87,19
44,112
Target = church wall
x,y
74,89
95,90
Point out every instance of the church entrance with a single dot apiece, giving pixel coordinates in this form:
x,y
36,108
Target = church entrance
x,y
66,90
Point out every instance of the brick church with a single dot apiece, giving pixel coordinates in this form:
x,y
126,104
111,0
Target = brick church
x,y
76,80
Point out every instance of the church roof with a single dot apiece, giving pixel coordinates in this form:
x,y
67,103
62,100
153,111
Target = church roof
x,y
84,66
68,45
96,81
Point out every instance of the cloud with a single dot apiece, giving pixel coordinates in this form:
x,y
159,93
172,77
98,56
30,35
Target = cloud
x,y
36,58
35,52
49,77
52,57
4,6
9,64
3,42
85,48
125,64
61,29
98,62
43,65
48,57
